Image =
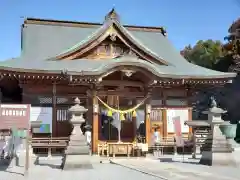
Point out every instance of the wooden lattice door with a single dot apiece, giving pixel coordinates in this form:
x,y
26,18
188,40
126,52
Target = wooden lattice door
x,y
64,128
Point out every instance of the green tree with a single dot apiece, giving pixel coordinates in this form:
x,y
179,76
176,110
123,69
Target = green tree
x,y
204,53
222,57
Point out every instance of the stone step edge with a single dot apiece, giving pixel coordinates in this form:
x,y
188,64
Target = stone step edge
x,y
139,170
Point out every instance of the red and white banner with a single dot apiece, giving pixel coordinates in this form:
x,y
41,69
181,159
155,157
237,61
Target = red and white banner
x,y
178,131
14,116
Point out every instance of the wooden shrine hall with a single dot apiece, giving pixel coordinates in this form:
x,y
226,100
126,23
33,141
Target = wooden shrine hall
x,y
130,70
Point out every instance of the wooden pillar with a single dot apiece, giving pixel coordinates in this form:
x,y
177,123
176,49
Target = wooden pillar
x,y
164,115
147,125
190,119
194,145
95,123
0,95
89,113
147,121
164,119
54,110
189,94
134,121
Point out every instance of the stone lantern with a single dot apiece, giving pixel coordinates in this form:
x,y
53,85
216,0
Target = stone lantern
x,y
216,150
77,152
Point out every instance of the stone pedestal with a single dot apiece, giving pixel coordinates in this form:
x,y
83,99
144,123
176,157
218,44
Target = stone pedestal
x,y
196,152
77,153
216,150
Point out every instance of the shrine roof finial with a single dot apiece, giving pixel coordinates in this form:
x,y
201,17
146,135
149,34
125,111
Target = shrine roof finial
x,y
112,15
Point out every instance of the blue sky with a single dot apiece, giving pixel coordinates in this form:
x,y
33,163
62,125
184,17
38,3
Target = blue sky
x,y
185,20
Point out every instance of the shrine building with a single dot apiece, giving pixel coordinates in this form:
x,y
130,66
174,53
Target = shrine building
x,y
112,68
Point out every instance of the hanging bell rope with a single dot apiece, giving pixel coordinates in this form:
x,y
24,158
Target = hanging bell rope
x,y
121,111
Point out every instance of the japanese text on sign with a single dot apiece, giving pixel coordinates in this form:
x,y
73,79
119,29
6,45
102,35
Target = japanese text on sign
x,y
14,116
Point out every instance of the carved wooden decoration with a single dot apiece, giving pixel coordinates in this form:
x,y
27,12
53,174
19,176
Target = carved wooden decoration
x,y
110,44
110,48
128,72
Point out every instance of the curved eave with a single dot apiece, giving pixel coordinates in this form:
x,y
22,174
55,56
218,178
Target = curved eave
x,y
106,68
99,32
154,70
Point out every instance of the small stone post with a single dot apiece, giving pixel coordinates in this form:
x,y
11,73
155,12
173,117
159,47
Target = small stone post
x,y
216,150
77,152
88,134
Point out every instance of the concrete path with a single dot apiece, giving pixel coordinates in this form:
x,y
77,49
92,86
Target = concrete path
x,y
127,169
48,169
178,170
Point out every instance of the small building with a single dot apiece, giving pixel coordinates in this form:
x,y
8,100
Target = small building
x,y
104,64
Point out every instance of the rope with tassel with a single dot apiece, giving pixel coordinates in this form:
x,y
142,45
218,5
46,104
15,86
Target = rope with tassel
x,y
121,112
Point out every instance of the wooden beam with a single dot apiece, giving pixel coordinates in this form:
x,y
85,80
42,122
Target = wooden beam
x,y
121,93
80,96
122,83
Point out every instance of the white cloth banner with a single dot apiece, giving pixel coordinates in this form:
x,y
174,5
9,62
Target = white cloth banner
x,y
116,122
140,117
88,135
183,114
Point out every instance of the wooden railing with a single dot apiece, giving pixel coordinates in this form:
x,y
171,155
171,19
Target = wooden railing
x,y
49,143
166,142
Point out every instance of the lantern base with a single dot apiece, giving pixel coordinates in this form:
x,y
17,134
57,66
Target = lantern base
x,y
74,162
77,153
217,150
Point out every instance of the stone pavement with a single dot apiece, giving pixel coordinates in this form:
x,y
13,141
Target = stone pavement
x,y
48,169
178,169
137,168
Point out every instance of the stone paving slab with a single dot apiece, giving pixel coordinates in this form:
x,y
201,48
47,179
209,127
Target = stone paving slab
x,y
179,170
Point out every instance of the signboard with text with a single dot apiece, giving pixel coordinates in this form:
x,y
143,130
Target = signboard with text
x,y
14,116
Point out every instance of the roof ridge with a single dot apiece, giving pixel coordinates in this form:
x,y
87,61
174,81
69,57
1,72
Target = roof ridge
x,y
39,21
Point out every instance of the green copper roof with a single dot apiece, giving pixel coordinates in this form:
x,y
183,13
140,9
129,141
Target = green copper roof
x,y
92,36
93,67
41,42
104,28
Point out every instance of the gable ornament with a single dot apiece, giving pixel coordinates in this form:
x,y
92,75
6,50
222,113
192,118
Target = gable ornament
x,y
113,36
128,72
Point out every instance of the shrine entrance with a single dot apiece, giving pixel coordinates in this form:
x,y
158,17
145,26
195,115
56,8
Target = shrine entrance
x,y
121,118
122,99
